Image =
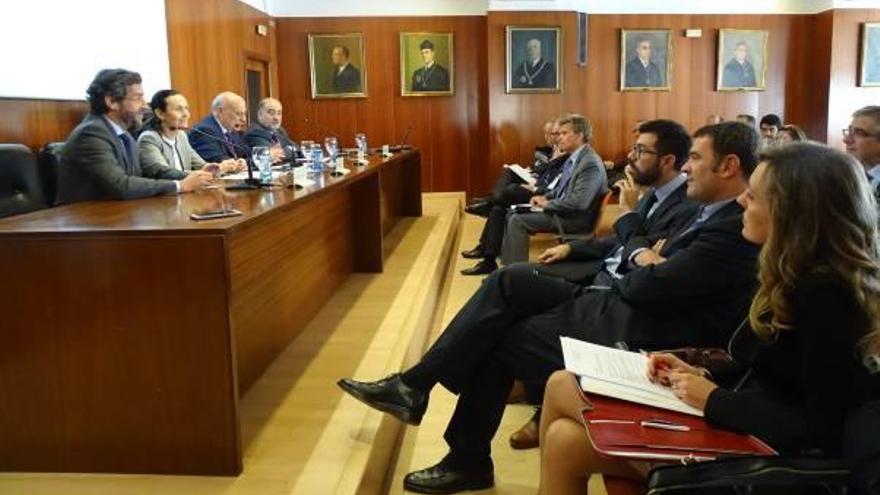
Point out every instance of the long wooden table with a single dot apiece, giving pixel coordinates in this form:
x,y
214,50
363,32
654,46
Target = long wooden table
x,y
128,331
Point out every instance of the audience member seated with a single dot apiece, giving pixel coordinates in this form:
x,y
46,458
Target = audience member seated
x,y
510,189
791,133
615,170
746,119
100,158
218,136
713,119
656,159
163,141
689,290
769,127
268,132
810,344
580,181
862,140
570,207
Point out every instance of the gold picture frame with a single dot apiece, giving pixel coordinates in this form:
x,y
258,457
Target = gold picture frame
x,y
527,73
337,65
742,59
869,73
645,60
416,77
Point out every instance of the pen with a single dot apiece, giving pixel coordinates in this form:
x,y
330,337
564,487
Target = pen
x,y
663,425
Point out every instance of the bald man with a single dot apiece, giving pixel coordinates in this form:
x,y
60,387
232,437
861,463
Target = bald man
x,y
267,131
226,123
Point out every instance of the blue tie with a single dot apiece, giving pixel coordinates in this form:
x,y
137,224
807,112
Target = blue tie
x,y
128,143
566,177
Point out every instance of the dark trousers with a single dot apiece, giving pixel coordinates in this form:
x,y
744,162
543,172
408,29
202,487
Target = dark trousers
x,y
492,236
508,190
495,338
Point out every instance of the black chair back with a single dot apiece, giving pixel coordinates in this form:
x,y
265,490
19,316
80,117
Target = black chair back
x,y
50,160
20,188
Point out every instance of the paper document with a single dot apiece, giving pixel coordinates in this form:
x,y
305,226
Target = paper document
x,y
525,208
619,374
244,175
522,173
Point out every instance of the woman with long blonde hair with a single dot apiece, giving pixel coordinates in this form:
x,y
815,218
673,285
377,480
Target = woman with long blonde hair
x,y
808,352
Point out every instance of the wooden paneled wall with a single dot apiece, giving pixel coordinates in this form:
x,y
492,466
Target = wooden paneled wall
x,y
449,130
515,120
208,43
37,122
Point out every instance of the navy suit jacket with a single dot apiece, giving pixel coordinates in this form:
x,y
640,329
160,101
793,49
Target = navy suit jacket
x,y
212,150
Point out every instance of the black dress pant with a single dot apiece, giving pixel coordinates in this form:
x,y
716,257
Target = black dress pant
x,y
491,342
508,190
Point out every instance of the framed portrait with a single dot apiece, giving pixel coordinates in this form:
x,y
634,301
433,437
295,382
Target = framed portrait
x,y
870,66
338,65
534,56
742,59
645,59
426,65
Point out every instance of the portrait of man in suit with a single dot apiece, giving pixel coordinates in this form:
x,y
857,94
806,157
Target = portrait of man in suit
x,y
426,64
741,59
338,66
533,60
645,60
870,73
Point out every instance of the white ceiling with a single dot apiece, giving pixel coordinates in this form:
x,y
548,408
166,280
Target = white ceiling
x,y
351,8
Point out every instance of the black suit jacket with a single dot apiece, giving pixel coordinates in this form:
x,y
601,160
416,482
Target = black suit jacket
x,y
94,166
631,231
738,76
541,76
434,79
696,298
347,81
638,76
212,150
260,135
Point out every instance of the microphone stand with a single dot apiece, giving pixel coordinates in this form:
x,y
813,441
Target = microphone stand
x,y
251,182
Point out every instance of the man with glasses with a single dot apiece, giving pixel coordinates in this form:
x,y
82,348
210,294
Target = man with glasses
x,y
862,140
100,157
219,136
692,290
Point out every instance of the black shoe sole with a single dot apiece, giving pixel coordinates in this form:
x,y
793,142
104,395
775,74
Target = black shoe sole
x,y
401,413
481,483
467,272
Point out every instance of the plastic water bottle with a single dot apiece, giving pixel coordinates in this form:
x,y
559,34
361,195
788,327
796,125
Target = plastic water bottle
x,y
317,159
361,140
263,162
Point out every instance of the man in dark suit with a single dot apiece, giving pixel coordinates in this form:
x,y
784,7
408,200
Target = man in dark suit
x,y
431,76
862,140
100,157
739,73
269,133
536,72
690,290
568,203
218,136
572,206
346,77
640,71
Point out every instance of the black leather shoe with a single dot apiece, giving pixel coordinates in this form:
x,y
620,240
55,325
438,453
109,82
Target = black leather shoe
x,y
484,267
445,478
475,253
389,395
479,209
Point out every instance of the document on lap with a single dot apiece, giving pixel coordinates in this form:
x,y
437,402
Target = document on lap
x,y
522,173
619,374
526,208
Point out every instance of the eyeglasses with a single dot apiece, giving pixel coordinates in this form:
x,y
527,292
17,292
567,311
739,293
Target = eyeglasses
x,y
640,149
855,132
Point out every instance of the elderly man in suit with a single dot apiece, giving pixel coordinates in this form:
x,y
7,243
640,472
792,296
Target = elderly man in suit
x,y
536,72
571,206
100,157
640,71
346,77
218,136
862,140
739,73
690,289
267,131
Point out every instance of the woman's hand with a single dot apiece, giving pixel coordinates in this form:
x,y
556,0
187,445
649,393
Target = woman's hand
x,y
660,365
232,165
692,389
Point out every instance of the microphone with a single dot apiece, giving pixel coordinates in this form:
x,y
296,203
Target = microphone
x,y
250,182
403,146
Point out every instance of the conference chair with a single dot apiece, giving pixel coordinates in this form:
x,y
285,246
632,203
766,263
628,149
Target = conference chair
x,y
20,188
49,160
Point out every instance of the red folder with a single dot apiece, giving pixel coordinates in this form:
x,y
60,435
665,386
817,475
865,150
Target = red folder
x,y
624,429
